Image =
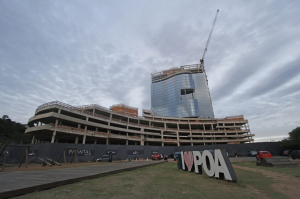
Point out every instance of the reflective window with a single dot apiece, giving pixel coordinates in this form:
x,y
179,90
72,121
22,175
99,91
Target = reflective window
x,y
184,95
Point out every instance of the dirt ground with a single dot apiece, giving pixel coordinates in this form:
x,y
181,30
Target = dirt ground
x,y
286,184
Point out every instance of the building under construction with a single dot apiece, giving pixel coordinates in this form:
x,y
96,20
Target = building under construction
x,y
181,114
93,124
181,92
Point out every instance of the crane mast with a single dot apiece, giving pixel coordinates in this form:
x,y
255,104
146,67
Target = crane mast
x,y
202,60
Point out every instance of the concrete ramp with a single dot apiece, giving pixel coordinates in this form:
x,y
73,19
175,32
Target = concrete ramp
x,y
276,162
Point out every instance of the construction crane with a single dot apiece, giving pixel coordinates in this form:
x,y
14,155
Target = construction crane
x,y
202,60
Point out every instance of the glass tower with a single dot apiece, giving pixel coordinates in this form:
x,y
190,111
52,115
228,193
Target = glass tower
x,y
181,92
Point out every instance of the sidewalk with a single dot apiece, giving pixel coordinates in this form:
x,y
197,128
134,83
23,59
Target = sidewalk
x,y
22,182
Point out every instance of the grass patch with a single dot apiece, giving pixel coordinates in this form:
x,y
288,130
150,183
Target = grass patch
x,y
294,171
164,181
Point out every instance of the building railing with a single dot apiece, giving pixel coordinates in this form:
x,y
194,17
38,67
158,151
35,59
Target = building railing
x,y
123,105
80,110
93,133
170,140
243,137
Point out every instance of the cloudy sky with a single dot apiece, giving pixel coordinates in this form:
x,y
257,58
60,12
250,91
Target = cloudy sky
x,y
103,52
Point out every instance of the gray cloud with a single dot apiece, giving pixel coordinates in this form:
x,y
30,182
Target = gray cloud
x,y
277,78
104,52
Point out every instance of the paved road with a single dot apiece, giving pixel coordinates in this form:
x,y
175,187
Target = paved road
x,y
21,182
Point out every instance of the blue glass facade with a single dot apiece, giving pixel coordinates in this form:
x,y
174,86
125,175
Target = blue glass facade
x,y
181,95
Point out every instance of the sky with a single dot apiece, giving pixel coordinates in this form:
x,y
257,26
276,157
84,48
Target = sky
x,y
103,52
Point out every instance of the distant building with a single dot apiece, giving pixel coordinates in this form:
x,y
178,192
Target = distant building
x,y
181,92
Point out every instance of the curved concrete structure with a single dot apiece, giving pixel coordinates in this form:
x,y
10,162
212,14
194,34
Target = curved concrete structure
x,y
94,124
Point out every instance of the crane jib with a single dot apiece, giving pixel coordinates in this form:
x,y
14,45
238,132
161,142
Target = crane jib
x,y
202,60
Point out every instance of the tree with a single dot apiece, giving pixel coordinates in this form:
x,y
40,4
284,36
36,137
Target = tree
x,y
293,141
13,132
4,117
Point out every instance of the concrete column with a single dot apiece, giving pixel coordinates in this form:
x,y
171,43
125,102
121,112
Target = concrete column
x,y
93,111
87,119
127,138
165,125
53,137
192,144
142,140
107,140
162,144
96,129
33,139
79,126
235,129
84,138
60,122
76,140
178,143
59,110
95,141
56,123
212,132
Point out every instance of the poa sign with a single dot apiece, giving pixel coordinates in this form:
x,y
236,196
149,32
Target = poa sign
x,y
217,165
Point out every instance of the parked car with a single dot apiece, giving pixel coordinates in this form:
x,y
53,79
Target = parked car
x,y
156,156
263,154
104,158
287,152
295,154
252,153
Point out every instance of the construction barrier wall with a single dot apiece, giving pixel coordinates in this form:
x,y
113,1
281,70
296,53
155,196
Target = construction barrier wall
x,y
90,152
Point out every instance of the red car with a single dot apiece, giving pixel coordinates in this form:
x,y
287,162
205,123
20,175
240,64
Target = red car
x,y
156,155
263,154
